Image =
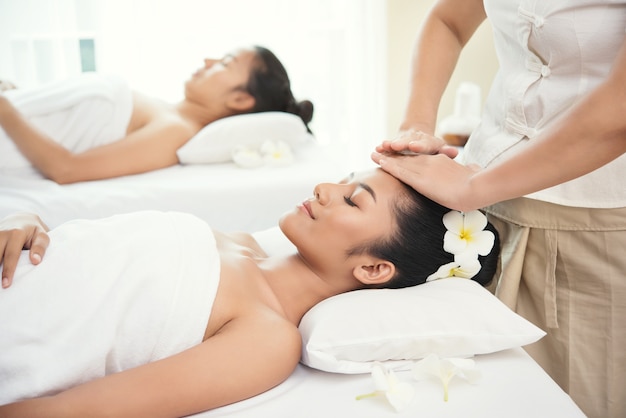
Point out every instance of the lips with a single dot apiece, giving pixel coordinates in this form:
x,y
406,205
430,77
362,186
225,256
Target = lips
x,y
306,205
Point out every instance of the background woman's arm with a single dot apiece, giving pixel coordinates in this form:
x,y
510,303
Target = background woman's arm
x,y
148,148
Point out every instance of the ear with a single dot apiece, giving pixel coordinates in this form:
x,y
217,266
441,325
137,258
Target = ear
x,y
378,272
240,101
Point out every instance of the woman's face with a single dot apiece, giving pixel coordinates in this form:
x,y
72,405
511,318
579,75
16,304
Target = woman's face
x,y
211,84
341,216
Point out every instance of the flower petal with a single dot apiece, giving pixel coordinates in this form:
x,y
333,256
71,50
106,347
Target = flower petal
x,y
474,221
246,157
482,242
453,243
468,266
427,367
380,377
453,221
401,394
443,272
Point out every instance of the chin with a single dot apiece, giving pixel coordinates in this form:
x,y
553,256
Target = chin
x,y
288,224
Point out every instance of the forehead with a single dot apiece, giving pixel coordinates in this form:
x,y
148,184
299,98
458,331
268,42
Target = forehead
x,y
382,183
376,175
242,55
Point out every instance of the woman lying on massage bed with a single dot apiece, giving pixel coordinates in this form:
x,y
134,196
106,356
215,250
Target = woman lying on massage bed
x,y
245,81
120,328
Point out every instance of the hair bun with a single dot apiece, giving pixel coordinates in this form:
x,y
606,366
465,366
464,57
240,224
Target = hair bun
x,y
305,110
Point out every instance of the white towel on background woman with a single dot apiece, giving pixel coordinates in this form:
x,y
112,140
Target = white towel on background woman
x,y
79,113
109,295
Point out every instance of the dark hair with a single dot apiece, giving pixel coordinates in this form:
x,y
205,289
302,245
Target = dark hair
x,y
270,86
416,245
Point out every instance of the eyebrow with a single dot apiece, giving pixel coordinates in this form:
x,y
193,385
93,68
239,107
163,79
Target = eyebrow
x,y
364,186
368,189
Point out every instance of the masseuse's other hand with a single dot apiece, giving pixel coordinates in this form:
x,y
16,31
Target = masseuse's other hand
x,y
21,232
437,177
417,142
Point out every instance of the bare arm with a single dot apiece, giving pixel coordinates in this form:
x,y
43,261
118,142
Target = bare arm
x,y
19,232
240,361
591,134
448,27
148,148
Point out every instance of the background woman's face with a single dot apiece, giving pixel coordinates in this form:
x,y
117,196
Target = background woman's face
x,y
341,216
218,77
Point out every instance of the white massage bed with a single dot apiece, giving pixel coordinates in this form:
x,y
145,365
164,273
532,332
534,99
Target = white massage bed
x,y
512,386
228,197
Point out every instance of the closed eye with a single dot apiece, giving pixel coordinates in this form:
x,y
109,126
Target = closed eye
x,y
349,201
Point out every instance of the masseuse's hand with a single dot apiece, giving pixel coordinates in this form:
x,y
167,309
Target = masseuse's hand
x,y
437,177
22,231
418,142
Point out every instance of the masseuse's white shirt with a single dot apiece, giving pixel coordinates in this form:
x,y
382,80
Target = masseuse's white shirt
x,y
551,53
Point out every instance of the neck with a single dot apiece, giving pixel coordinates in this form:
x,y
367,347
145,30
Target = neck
x,y
200,115
298,288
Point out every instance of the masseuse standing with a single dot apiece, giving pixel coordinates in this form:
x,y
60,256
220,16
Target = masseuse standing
x,y
551,149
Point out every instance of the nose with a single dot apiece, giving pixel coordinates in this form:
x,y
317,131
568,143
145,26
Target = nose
x,y
325,192
321,193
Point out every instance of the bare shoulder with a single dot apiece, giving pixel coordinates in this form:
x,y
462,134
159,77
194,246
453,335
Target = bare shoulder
x,y
245,241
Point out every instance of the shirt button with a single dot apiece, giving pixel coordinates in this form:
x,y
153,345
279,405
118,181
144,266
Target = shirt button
x,y
539,21
545,71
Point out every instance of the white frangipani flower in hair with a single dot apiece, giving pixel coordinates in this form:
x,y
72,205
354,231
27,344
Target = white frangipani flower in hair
x,y
466,233
464,266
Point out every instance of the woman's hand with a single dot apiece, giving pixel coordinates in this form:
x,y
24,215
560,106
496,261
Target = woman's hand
x,y
6,85
22,231
411,141
437,177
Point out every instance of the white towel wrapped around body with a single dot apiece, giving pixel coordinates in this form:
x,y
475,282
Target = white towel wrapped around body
x,y
109,295
79,113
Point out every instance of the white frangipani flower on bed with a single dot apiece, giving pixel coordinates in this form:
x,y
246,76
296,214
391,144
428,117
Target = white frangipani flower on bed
x,y
465,233
276,153
445,369
399,394
464,266
247,157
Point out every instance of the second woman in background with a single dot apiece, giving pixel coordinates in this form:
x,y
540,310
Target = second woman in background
x,y
122,132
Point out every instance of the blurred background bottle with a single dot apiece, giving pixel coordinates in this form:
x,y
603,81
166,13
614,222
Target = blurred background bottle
x,y
456,128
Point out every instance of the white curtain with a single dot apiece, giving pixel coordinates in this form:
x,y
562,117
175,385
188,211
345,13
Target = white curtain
x,y
334,51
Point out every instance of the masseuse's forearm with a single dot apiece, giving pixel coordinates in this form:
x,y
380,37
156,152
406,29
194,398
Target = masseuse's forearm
x,y
590,135
43,153
446,30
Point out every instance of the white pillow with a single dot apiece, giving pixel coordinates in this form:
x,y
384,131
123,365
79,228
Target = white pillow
x,y
216,141
449,317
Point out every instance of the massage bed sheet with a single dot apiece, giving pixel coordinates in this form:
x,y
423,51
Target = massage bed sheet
x,y
228,197
512,385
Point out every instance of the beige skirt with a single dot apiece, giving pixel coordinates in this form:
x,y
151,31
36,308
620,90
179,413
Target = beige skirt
x,y
564,269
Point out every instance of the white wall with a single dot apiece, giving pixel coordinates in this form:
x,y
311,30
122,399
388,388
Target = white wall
x,y
477,64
